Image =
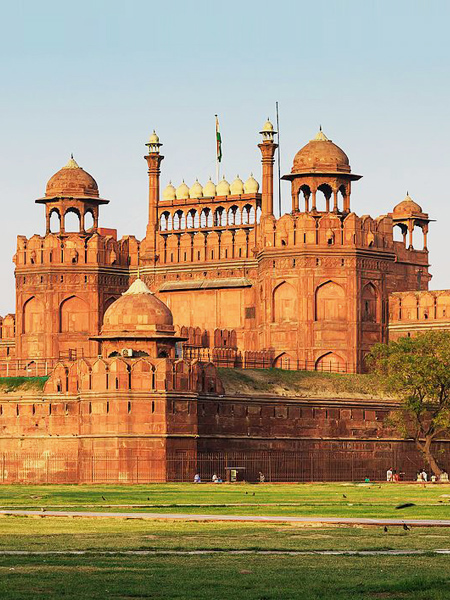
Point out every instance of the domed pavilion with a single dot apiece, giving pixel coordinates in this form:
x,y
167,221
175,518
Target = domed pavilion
x,y
72,190
138,324
321,166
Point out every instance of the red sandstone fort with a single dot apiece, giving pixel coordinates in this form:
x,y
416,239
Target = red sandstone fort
x,y
131,332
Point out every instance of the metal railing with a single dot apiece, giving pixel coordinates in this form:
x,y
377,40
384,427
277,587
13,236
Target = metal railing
x,y
276,466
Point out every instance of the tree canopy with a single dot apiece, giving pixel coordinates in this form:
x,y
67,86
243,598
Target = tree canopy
x,y
416,370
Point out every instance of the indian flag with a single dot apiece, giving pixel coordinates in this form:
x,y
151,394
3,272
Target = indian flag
x,y
218,141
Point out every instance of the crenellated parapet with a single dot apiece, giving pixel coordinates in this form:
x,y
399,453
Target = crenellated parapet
x,y
115,375
418,311
74,250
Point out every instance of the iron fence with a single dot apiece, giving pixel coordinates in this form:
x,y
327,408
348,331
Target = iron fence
x,y
275,466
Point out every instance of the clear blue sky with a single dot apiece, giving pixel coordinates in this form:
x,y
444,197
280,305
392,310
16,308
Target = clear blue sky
x,y
94,78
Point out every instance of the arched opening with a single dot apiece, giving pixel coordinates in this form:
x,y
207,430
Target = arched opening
x,y
399,232
204,217
33,316
323,199
284,305
417,238
331,303
284,361
331,362
72,221
55,221
73,315
164,221
369,303
305,191
246,214
178,217
88,220
343,203
190,219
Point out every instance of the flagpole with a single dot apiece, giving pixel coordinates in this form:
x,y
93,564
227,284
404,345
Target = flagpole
x,y
279,159
218,150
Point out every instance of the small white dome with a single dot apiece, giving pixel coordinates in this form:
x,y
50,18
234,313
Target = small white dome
x,y
154,139
182,191
196,190
169,192
268,127
237,187
223,188
209,190
251,186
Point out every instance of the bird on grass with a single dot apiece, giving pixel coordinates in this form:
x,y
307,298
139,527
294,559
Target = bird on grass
x,y
103,498
385,529
405,505
405,527
344,496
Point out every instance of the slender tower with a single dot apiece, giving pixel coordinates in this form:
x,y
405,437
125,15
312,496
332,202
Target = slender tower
x,y
153,159
267,148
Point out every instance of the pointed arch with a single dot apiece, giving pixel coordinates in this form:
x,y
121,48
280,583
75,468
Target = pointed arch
x,y
330,302
370,303
73,315
284,303
33,316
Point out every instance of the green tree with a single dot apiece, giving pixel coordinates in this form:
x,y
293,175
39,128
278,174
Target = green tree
x,y
416,370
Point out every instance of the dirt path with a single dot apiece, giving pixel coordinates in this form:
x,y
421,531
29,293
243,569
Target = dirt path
x,y
239,518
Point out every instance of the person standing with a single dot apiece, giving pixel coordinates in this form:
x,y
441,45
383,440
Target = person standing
x,y
389,474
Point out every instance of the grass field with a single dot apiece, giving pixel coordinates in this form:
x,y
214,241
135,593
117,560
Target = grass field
x,y
340,500
312,384
132,559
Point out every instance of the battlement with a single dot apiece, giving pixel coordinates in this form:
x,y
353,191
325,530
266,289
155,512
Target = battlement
x,y
74,249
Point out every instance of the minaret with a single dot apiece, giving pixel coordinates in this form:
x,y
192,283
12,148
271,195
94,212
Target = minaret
x,y
267,148
153,159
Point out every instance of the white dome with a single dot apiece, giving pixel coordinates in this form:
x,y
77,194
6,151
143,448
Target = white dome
x,y
268,127
237,187
196,191
209,190
182,191
223,188
251,186
169,192
154,139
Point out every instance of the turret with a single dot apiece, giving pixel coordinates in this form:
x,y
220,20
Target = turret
x,y
267,148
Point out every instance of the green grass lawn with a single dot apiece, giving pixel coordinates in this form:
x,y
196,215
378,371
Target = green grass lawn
x,y
342,500
220,574
224,577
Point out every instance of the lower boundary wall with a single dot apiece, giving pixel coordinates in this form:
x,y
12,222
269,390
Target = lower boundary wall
x,y
330,461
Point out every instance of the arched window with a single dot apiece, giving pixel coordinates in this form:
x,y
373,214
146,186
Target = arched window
x,y
55,221
284,303
72,220
74,315
33,316
331,303
88,220
369,304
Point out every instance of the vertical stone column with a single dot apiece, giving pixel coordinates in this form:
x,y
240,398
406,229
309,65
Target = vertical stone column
x,y
267,151
153,159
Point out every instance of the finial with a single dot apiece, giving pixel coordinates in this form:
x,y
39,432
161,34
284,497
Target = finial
x,y
71,155
320,127
407,193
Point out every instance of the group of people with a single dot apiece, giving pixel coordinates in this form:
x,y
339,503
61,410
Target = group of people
x,y
215,478
423,476
393,476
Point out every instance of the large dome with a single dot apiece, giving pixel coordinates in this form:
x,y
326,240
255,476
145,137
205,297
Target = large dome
x,y
137,313
322,156
72,181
